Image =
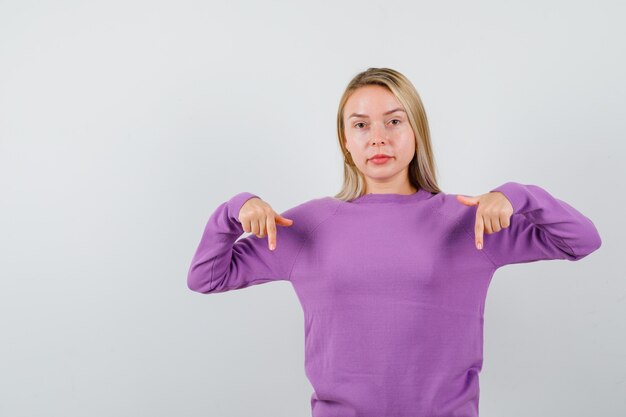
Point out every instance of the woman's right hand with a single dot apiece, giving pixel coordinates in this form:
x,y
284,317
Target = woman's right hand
x,y
258,217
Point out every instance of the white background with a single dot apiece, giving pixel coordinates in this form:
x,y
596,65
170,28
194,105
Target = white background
x,y
124,124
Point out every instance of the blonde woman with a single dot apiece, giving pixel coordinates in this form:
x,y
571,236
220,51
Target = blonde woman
x,y
392,273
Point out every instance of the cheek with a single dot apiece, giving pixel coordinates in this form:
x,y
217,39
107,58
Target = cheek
x,y
408,144
354,144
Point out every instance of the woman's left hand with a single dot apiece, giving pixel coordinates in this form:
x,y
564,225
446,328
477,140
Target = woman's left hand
x,y
492,215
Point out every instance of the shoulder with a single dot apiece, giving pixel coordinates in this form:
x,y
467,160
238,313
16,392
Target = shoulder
x,y
452,210
311,213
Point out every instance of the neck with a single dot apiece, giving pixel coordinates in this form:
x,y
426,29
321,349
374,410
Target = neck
x,y
409,189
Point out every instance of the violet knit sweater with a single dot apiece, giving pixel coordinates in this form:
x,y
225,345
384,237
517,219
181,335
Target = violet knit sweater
x,y
392,288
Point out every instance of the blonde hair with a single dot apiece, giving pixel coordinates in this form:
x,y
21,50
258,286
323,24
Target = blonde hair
x,y
422,169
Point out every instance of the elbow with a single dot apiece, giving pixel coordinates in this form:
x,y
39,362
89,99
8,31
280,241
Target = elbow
x,y
595,242
590,244
196,280
192,283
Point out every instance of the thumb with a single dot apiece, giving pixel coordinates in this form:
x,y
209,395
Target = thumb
x,y
467,200
283,221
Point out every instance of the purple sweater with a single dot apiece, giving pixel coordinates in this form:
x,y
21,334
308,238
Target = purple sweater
x,y
392,288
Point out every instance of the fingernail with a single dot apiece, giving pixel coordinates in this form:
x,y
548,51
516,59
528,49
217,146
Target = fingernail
x,y
479,245
272,246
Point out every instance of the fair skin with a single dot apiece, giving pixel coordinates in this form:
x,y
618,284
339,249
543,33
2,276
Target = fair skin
x,y
370,130
376,123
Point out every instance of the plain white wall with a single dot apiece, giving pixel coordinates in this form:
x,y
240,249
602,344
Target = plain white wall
x,y
124,124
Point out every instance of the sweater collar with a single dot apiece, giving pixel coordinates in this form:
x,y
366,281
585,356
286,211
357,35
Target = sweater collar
x,y
421,194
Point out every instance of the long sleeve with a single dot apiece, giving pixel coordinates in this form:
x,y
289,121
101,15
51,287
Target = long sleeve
x,y
542,227
223,263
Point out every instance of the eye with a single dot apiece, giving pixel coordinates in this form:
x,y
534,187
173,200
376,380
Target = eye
x,y
396,120
360,123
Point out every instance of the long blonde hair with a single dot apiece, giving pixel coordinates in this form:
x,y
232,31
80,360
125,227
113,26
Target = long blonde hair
x,y
422,169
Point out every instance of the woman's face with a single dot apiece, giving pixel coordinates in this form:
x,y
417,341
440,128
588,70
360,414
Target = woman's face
x,y
371,129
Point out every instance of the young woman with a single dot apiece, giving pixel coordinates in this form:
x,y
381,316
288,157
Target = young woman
x,y
392,273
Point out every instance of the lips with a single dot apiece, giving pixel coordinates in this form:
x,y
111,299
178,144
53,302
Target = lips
x,y
380,155
380,159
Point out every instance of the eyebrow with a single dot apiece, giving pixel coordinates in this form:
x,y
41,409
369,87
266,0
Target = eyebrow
x,y
384,114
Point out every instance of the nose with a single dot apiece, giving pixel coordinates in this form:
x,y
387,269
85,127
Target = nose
x,y
378,142
379,135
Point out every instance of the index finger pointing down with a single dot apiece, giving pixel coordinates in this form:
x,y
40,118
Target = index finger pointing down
x,y
271,231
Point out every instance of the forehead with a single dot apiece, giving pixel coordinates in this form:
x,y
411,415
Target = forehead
x,y
371,100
